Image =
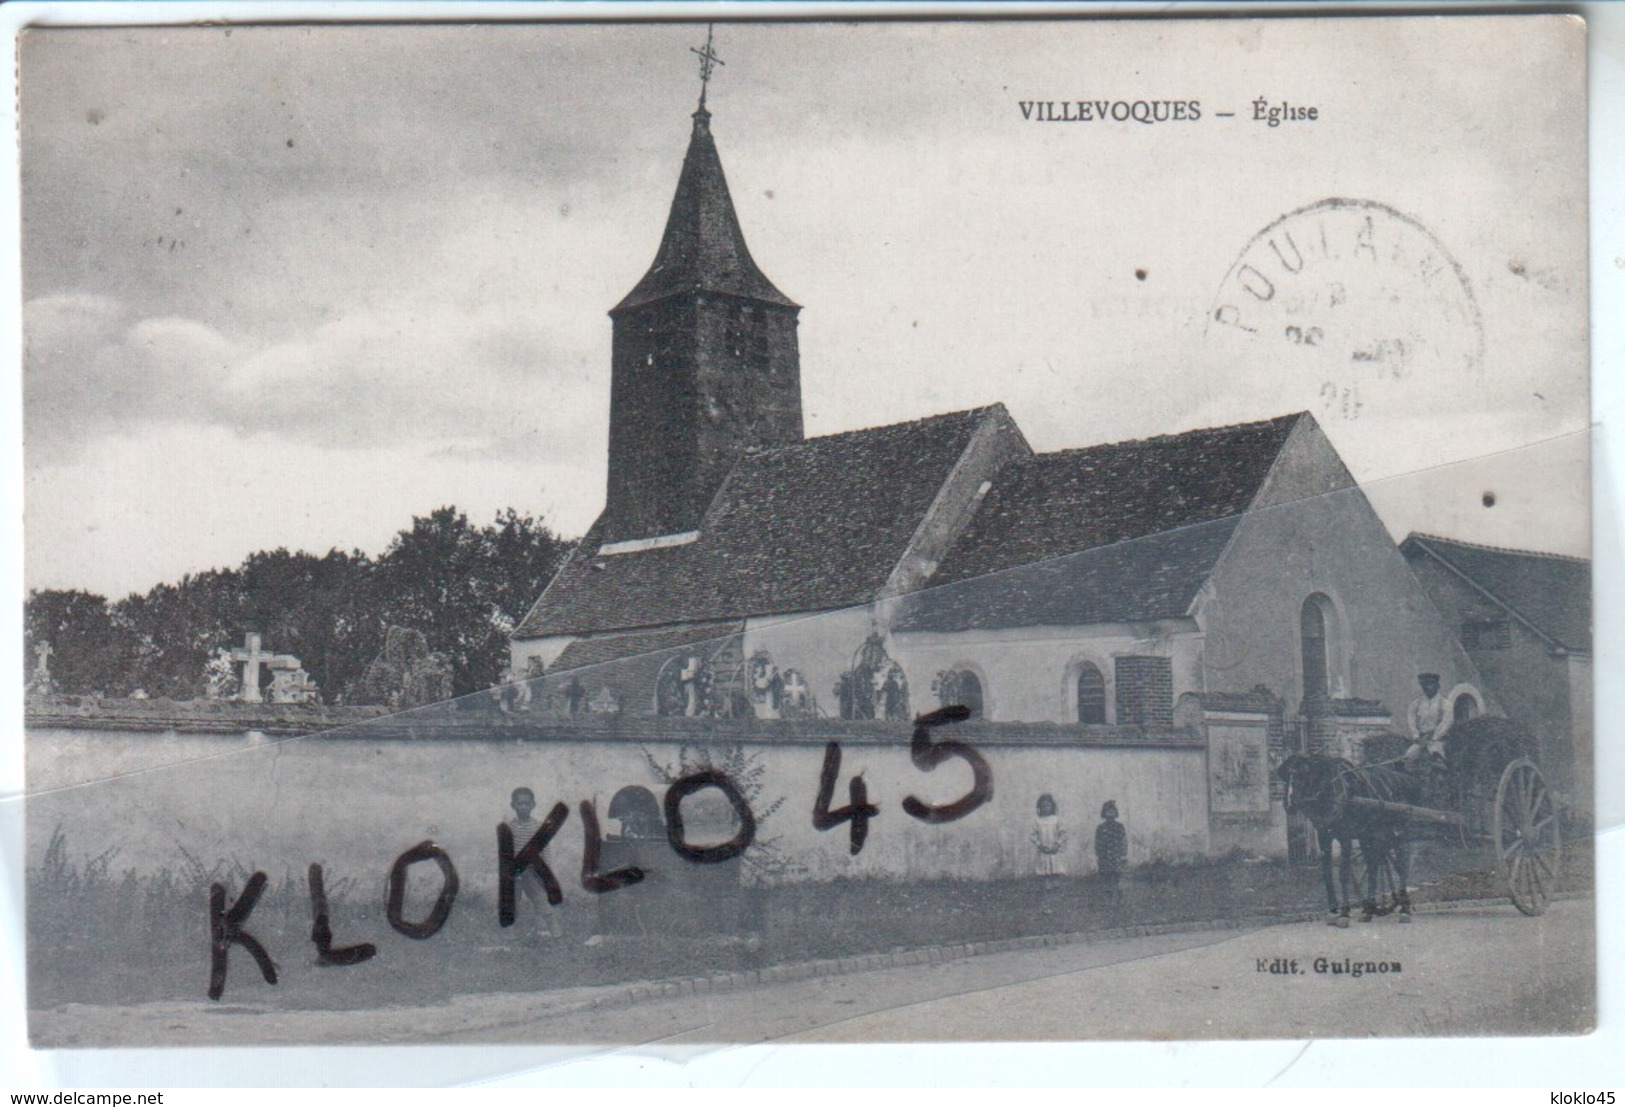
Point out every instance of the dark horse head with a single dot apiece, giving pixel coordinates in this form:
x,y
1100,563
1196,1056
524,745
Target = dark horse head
x,y
1309,783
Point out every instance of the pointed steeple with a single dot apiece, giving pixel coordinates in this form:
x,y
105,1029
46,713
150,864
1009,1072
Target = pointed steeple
x,y
705,362
703,249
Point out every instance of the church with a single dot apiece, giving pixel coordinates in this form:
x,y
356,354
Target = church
x,y
878,572
1226,588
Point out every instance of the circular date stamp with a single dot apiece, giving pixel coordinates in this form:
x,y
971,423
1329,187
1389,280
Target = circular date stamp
x,y
1357,292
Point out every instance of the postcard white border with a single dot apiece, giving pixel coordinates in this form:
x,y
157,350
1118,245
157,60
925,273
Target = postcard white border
x,y
1591,1062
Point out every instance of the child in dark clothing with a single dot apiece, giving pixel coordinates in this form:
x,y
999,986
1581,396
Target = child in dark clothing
x,y
1111,850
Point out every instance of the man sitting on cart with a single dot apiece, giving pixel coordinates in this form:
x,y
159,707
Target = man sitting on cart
x,y
1429,719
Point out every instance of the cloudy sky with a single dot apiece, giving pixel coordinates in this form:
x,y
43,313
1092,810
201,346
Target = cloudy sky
x,y
290,286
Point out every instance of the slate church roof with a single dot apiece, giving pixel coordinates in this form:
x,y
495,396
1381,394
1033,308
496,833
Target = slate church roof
x,y
703,248
813,526
1548,593
1116,533
1125,532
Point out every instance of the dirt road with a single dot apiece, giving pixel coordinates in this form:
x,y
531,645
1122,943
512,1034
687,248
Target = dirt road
x,y
1474,971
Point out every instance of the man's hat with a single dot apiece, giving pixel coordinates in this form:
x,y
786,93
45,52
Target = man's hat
x,y
1427,676
1109,810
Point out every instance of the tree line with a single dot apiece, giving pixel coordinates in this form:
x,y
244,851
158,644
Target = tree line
x,y
465,587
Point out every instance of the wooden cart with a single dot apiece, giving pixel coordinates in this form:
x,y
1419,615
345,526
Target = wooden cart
x,y
1514,809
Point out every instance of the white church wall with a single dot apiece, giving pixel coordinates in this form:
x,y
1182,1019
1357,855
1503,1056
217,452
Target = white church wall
x,y
545,650
1302,541
1030,674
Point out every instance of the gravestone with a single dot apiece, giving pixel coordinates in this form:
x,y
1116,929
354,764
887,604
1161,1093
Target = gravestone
x,y
250,657
40,681
766,686
796,701
290,683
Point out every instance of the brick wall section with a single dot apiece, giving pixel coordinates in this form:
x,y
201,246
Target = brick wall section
x,y
1341,727
1145,691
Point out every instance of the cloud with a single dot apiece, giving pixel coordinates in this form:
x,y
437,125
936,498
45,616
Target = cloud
x,y
479,383
379,244
90,369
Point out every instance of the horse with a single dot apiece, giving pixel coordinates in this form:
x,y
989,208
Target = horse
x,y
1320,788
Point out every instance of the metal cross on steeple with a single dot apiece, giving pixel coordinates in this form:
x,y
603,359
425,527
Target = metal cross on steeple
x,y
708,61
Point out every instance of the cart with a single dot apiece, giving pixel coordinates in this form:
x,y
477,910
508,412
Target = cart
x,y
1501,797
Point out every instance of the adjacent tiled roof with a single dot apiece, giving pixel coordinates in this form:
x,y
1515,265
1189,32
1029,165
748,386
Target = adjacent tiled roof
x,y
1117,533
1155,577
1548,592
809,527
586,652
703,248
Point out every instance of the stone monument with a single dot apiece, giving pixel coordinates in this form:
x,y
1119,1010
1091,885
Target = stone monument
x,y
406,673
250,657
40,681
290,683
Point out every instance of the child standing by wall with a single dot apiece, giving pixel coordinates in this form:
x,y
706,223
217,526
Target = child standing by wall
x,y
1111,850
523,802
1049,838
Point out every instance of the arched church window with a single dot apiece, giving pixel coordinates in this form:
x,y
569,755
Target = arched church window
x,y
638,813
1465,707
735,329
960,687
1091,694
1312,632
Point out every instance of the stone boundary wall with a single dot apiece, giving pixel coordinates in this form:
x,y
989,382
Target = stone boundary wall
x,y
190,716
471,720
355,798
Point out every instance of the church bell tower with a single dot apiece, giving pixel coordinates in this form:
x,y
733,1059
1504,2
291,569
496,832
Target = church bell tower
x,y
705,362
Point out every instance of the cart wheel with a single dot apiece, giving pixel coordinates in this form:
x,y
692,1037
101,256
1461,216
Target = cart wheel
x,y
1527,843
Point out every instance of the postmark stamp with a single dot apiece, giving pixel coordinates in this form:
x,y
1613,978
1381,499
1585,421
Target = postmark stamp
x,y
1356,292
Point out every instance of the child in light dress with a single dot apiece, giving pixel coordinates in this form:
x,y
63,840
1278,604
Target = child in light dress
x,y
1049,838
